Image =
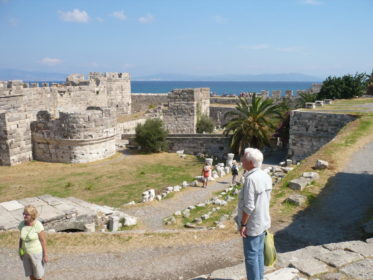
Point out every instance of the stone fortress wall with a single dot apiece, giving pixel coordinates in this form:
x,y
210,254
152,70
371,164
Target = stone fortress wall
x,y
64,130
74,137
21,102
183,108
309,131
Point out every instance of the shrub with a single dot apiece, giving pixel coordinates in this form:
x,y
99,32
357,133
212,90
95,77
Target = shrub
x,y
151,136
347,86
205,124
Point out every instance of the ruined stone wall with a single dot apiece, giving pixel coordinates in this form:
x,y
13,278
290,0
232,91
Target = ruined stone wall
x,y
128,127
101,89
309,131
143,101
15,138
74,137
181,115
217,114
211,144
202,97
184,105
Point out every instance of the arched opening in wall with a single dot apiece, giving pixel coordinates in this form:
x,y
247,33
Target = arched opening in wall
x,y
71,230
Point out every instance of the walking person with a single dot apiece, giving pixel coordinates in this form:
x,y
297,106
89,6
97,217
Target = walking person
x,y
206,170
234,172
253,212
32,244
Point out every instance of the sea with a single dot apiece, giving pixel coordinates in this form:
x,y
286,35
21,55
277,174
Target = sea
x,y
216,87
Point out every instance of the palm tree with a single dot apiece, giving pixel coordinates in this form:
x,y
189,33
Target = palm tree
x,y
252,123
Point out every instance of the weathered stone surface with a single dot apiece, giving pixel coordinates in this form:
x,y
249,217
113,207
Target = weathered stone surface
x,y
362,270
360,247
298,184
12,205
296,199
321,164
333,276
309,266
311,175
7,221
285,259
236,272
287,273
338,258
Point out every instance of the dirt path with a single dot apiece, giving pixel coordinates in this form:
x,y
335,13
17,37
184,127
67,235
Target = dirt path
x,y
151,215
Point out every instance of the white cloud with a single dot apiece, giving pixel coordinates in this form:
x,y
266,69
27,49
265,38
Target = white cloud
x,y
255,47
146,19
119,15
312,2
75,15
219,19
51,61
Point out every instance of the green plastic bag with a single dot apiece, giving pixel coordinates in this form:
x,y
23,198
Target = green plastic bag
x,y
21,252
270,254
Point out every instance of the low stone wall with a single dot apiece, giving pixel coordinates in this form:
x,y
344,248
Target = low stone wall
x,y
309,131
143,101
212,144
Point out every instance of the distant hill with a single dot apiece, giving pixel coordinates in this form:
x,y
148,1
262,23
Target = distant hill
x,y
287,77
14,74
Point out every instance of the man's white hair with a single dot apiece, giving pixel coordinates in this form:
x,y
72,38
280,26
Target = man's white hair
x,y
254,155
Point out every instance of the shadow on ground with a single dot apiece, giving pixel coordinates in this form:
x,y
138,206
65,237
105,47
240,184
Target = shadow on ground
x,y
335,215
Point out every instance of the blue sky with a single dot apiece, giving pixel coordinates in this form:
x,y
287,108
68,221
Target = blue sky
x,y
197,37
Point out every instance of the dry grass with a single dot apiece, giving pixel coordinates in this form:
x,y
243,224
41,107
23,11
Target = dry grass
x,y
121,242
112,181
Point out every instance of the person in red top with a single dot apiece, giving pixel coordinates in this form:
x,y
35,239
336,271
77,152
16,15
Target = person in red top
x,y
206,174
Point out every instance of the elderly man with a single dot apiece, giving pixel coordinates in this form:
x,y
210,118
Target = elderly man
x,y
253,212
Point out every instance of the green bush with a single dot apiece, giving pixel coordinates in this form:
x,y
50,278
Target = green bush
x,y
205,124
151,136
344,87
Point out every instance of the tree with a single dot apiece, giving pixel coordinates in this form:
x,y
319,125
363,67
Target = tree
x,y
305,97
253,123
370,84
151,136
345,87
205,124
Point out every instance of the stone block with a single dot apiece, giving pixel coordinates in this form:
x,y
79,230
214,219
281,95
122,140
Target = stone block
x,y
362,270
338,258
312,176
114,224
298,184
296,199
310,266
12,205
360,247
287,273
90,227
7,221
321,164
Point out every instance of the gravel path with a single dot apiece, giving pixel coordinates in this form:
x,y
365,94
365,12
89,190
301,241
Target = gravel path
x,y
151,215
